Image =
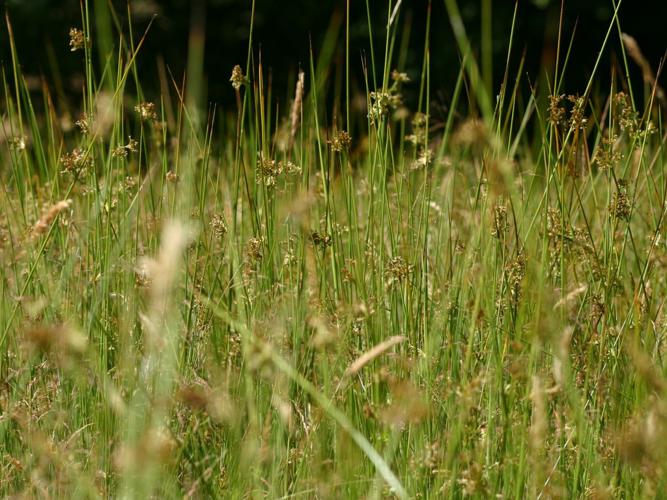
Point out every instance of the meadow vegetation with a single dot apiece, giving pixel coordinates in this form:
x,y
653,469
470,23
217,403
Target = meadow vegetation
x,y
336,293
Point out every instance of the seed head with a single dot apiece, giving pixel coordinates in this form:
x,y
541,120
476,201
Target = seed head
x,y
397,270
268,170
321,240
419,131
76,162
621,206
146,111
500,224
253,250
17,143
597,309
385,100
399,77
515,272
122,151
132,145
472,132
556,111
289,167
407,406
237,77
60,339
381,103
218,225
119,152
77,39
296,105
340,142
83,124
625,114
539,424
578,121
424,160
45,221
419,120
129,183
607,155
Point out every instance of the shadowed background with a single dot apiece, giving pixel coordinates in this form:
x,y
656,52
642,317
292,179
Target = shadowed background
x,y
284,30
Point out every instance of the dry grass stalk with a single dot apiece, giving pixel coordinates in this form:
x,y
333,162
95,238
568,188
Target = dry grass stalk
x,y
637,56
44,223
375,352
296,107
571,297
162,274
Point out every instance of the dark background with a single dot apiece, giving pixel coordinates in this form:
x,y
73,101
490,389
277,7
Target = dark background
x,y
283,29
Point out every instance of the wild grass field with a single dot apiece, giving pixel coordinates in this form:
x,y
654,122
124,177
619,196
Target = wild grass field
x,y
332,293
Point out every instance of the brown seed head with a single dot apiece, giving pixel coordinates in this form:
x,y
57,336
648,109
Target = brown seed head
x,y
44,223
146,111
237,77
77,39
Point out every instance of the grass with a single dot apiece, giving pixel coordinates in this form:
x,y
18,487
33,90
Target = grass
x,y
302,296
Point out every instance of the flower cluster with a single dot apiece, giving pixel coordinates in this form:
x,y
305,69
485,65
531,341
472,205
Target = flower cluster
x,y
628,119
17,143
44,223
253,250
268,170
558,113
515,271
83,124
132,146
397,270
77,39
321,240
419,131
383,101
472,132
218,225
423,160
146,111
340,142
607,156
76,162
237,77
568,240
621,205
578,120
500,224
